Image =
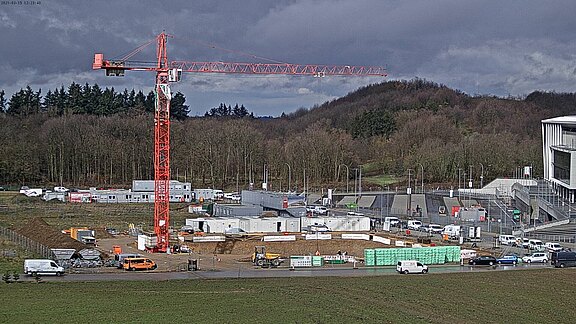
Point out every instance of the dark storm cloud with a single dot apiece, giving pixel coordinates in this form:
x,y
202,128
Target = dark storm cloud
x,y
487,47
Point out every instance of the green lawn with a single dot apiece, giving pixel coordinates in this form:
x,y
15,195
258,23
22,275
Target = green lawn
x,y
526,296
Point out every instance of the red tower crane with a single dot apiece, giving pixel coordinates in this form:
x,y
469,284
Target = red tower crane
x,y
167,72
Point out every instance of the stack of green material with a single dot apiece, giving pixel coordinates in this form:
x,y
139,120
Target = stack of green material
x,y
369,257
317,261
426,255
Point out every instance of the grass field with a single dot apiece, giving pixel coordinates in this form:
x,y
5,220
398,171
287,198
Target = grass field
x,y
18,209
526,296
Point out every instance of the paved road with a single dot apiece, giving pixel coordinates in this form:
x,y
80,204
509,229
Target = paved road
x,y
252,272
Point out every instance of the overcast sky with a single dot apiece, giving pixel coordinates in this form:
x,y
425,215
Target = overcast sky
x,y
480,47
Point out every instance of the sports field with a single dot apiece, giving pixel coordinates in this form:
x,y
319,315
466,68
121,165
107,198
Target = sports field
x,y
525,296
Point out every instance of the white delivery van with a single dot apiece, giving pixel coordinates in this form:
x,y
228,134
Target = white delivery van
x,y
453,231
411,266
535,245
414,224
42,267
507,239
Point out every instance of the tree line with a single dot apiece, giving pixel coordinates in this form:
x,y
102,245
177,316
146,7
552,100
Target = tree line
x,y
87,99
386,129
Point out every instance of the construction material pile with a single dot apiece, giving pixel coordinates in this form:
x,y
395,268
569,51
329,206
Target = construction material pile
x,y
38,230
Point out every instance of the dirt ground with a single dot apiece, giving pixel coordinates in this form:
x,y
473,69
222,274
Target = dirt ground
x,y
236,253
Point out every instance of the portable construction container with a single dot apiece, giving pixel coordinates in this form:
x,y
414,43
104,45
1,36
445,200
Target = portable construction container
x,y
300,261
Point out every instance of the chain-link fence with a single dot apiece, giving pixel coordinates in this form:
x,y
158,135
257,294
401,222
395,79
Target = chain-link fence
x,y
27,243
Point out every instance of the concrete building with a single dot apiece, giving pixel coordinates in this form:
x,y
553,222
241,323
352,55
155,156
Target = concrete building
x,y
559,154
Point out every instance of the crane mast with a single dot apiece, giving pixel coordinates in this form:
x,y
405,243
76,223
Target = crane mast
x,y
167,72
162,149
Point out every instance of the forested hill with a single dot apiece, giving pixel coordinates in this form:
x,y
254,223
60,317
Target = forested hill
x,y
387,128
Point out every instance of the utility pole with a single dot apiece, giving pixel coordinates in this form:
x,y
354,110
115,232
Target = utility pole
x,y
289,176
482,176
422,176
409,192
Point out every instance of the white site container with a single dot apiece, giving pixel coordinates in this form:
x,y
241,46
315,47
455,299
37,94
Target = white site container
x,y
300,261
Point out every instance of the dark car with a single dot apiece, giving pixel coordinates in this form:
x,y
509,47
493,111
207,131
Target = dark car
x,y
483,260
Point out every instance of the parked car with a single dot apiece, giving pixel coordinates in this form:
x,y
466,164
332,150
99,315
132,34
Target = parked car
x,y
536,257
320,228
523,242
424,228
508,259
235,231
435,228
553,246
483,260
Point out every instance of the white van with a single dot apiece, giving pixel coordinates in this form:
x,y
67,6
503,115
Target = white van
x,y
42,267
394,221
535,245
411,266
507,239
453,231
414,224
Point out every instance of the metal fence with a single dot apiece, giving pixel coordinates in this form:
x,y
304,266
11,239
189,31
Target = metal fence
x,y
552,237
27,243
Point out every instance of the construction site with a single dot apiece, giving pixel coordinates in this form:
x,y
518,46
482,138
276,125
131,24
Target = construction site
x,y
275,229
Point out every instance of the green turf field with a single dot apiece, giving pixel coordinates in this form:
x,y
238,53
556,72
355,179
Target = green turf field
x,y
525,296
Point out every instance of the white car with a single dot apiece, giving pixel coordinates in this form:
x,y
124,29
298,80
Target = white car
x,y
317,228
435,229
536,257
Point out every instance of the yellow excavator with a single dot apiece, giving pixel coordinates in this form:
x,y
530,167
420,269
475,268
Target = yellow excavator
x,y
265,259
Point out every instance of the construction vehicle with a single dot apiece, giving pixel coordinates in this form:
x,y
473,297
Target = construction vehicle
x,y
265,259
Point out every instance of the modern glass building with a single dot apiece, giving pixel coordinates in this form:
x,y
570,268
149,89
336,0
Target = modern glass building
x,y
559,153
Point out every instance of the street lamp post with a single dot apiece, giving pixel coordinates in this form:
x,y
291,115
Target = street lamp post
x,y
289,176
459,170
360,182
347,176
409,192
422,176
